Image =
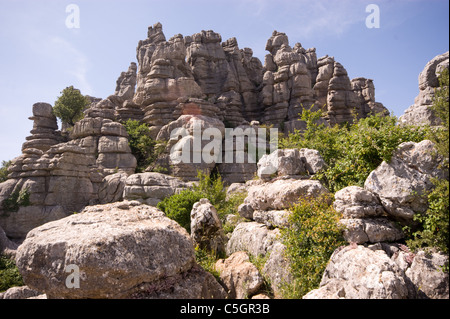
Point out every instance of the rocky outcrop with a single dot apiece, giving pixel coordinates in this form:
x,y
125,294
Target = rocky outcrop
x,y
206,227
382,271
364,217
117,250
240,277
290,162
239,86
151,188
45,130
23,292
361,273
63,178
401,183
252,237
420,112
186,144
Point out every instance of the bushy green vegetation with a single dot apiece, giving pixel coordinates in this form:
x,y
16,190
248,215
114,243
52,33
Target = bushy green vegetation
x,y
441,110
9,274
351,151
4,171
313,235
433,225
179,206
70,105
143,147
17,199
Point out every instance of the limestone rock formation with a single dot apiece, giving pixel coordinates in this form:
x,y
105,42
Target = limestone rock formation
x,y
117,249
45,130
151,188
382,271
400,183
420,113
63,178
361,273
252,237
239,275
364,217
206,227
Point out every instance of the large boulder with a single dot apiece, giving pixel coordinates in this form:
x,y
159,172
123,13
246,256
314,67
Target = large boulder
x,y
364,217
427,275
356,272
252,237
115,250
400,183
239,275
206,227
283,193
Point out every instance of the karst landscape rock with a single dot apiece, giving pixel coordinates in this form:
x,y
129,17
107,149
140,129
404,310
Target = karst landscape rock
x,y
88,207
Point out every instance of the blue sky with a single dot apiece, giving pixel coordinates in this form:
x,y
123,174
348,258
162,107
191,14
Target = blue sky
x,y
40,56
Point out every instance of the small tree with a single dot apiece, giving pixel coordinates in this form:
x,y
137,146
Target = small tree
x,y
70,105
4,171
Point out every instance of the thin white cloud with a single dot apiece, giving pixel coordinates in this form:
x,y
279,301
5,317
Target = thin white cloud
x,y
65,57
74,61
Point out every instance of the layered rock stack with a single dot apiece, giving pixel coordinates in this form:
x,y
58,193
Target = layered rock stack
x,y
420,112
124,94
62,178
45,129
287,87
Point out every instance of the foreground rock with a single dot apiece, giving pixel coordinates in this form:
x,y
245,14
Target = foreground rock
x,y
239,275
361,273
206,227
401,183
117,249
383,271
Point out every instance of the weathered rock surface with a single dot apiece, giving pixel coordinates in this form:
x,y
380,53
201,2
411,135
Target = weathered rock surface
x,y
426,274
420,113
206,227
62,178
151,188
281,194
364,217
23,292
400,183
188,151
290,162
361,273
253,238
277,268
241,278
117,248
383,271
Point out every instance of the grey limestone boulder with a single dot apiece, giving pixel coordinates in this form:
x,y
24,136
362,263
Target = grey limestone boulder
x,y
116,249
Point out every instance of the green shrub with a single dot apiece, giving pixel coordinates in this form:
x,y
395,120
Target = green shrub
x,y
9,274
17,199
178,207
143,147
440,107
207,260
4,171
433,229
433,225
70,105
352,151
314,234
